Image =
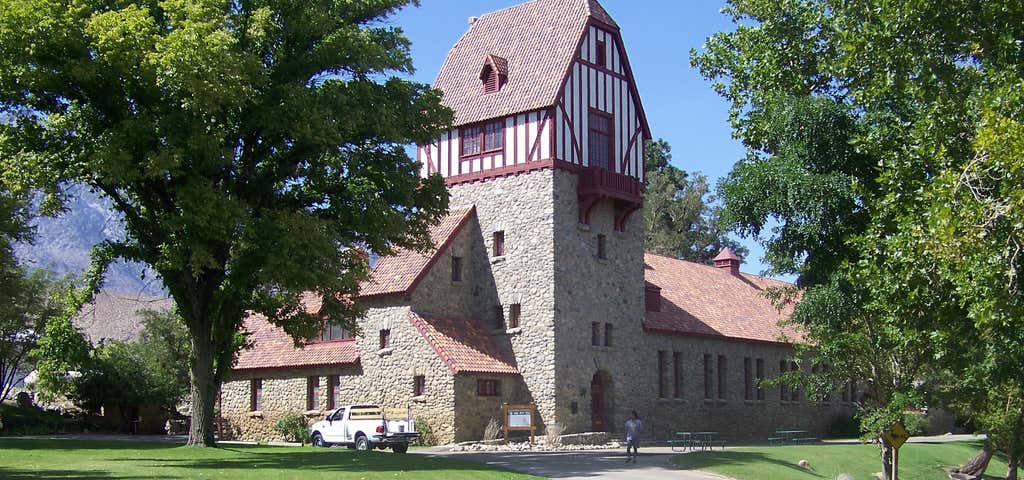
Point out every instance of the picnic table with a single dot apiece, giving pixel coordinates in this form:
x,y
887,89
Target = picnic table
x,y
695,441
783,437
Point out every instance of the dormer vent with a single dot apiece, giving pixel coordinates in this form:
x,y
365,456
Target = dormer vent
x,y
652,297
727,260
494,73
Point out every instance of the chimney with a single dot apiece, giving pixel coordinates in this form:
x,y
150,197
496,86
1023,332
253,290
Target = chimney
x,y
728,260
652,297
472,20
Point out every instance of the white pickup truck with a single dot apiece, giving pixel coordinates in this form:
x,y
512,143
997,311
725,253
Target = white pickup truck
x,y
365,427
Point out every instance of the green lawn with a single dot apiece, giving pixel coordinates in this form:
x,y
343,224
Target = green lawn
x,y
918,461
30,459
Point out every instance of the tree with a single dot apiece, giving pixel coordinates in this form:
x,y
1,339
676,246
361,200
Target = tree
x,y
246,145
866,126
680,215
26,309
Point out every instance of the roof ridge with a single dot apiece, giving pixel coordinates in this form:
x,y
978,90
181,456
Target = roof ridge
x,y
653,254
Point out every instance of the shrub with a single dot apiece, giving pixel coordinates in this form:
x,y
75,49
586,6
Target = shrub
x,y
493,430
36,421
553,433
293,427
427,438
916,423
844,427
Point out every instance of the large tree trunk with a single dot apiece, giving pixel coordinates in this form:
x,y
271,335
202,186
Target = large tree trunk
x,y
204,391
1011,469
975,467
886,459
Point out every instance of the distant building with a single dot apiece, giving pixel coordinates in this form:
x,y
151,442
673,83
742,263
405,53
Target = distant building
x,y
539,289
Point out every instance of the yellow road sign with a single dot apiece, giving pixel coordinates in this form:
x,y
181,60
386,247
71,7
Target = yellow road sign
x,y
896,435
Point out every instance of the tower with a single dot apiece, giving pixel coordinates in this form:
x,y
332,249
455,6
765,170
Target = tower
x,y
548,145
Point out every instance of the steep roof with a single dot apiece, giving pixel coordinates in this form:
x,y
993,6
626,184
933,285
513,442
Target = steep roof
x,y
401,272
463,345
117,315
538,39
702,300
273,348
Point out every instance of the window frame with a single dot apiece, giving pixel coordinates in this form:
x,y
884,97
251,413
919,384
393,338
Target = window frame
x,y
256,395
602,246
677,374
723,372
333,386
610,165
479,131
457,265
488,387
783,388
759,374
419,385
515,312
498,243
608,329
313,393
385,338
601,53
748,378
326,330
708,381
662,387
595,334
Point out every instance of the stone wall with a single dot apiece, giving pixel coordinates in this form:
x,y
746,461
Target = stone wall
x,y
383,377
473,411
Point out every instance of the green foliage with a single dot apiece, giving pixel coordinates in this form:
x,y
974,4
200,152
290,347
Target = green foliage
x,y
36,421
680,215
294,427
427,437
246,145
29,303
883,169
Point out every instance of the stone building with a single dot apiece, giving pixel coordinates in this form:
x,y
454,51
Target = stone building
x,y
539,289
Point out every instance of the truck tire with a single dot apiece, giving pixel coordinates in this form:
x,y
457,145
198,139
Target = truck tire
x,y
363,444
400,448
318,441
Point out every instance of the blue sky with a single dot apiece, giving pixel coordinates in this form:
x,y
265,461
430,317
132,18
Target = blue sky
x,y
680,105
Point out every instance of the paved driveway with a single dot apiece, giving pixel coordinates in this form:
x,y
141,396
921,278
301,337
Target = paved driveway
x,y
654,463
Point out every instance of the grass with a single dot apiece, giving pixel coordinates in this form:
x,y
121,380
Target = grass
x,y
918,461
82,459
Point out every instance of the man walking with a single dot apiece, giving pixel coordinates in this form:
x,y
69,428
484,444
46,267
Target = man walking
x,y
633,428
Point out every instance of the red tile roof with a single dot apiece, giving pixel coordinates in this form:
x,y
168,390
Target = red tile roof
x,y
273,348
401,272
538,39
702,300
463,345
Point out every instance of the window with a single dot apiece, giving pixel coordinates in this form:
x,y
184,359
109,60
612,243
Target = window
x,y
419,385
331,332
796,391
602,246
256,394
783,389
456,269
499,243
748,379
677,375
760,378
482,138
662,358
488,388
707,376
600,56
332,392
595,334
313,393
385,338
607,334
514,311
601,146
499,318
723,386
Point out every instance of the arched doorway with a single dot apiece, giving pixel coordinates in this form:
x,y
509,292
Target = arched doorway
x,y
600,402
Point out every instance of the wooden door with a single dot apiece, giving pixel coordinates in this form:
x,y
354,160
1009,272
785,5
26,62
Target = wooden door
x,y
597,407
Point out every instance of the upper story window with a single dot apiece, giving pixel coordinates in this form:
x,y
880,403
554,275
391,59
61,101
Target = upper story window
x,y
601,146
481,139
494,74
456,269
488,388
514,312
331,332
385,338
499,243
256,394
600,55
419,385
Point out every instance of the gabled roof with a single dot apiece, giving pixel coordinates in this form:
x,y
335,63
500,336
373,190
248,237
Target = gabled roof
x,y
539,40
463,345
702,300
400,273
273,348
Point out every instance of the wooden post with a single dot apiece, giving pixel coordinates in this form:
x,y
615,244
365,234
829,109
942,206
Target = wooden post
x,y
504,420
896,464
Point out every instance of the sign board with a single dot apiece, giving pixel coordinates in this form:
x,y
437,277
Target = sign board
x,y
896,435
518,417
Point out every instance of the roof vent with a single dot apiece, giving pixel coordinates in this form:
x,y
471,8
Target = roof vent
x,y
494,73
472,20
652,297
728,260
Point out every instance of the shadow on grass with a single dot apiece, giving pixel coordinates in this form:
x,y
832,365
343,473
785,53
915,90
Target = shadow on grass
x,y
699,461
81,444
20,474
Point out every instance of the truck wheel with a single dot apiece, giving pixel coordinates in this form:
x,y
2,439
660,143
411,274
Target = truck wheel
x,y
363,444
318,441
400,448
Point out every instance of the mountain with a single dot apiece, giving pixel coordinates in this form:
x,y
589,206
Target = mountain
x,y
62,244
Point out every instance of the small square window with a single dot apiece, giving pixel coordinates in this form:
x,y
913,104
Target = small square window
x,y
385,338
488,388
456,269
602,246
313,393
419,385
256,394
332,392
514,311
499,243
595,334
607,334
